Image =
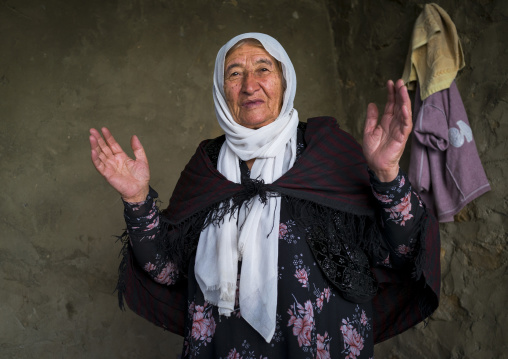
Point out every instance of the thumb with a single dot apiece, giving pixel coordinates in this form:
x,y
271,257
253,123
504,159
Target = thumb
x,y
137,148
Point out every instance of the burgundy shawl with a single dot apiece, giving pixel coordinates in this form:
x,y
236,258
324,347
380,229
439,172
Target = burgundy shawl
x,y
331,172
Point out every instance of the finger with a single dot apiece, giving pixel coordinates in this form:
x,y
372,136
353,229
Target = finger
x,y
390,97
115,147
94,139
94,145
94,132
372,118
98,143
98,164
403,96
404,117
407,123
403,107
103,147
137,148
109,165
402,92
95,149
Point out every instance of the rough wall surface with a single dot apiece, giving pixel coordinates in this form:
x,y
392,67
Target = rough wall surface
x,y
145,67
138,67
372,39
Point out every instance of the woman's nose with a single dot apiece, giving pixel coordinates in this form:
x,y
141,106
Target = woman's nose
x,y
250,83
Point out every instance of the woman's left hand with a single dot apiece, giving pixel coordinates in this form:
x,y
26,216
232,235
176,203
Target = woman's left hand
x,y
384,142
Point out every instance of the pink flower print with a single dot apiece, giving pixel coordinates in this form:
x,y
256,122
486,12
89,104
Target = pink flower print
x,y
302,326
233,354
199,323
403,249
211,329
363,318
283,230
203,326
135,207
292,318
352,339
345,326
382,197
149,267
402,182
167,275
323,348
302,329
303,322
302,276
327,294
319,301
153,224
308,309
400,212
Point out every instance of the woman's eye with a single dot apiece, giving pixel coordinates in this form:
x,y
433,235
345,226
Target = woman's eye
x,y
263,71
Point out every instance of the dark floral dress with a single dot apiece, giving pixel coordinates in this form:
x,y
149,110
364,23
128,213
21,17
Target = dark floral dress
x,y
313,319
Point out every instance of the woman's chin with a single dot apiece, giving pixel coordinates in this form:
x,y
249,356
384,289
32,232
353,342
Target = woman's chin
x,y
255,122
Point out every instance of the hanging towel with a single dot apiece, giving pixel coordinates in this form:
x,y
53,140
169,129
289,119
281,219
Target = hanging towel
x,y
444,166
435,55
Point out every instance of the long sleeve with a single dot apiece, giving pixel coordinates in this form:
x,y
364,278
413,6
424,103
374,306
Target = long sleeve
x,y
401,212
143,226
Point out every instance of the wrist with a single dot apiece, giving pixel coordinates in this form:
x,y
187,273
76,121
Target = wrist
x,y
386,175
139,197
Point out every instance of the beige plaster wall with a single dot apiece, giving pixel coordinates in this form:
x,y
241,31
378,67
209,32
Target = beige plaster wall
x,y
144,67
372,40
138,67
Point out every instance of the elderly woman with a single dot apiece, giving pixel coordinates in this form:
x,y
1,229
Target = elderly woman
x,y
281,240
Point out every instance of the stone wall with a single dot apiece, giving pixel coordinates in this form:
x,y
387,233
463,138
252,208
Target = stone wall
x,y
372,40
145,67
138,67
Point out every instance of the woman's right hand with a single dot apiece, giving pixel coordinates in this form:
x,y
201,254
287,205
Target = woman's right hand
x,y
128,176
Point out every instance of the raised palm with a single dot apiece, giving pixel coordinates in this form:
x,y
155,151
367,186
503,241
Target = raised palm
x,y
384,142
128,176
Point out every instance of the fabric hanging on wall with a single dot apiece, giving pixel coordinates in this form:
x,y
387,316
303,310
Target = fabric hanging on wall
x,y
435,54
445,167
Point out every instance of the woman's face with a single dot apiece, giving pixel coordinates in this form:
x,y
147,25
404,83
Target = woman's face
x,y
253,86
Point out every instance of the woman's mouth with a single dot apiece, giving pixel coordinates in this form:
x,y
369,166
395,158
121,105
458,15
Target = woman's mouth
x,y
252,103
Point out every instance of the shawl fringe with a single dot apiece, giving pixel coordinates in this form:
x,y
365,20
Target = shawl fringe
x,y
121,285
337,239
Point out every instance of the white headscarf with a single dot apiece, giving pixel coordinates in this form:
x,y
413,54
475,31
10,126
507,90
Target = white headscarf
x,y
253,239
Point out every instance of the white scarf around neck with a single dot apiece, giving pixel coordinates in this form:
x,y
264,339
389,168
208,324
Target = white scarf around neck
x,y
252,235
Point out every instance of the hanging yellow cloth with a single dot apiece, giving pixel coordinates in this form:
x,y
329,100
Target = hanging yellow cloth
x,y
435,55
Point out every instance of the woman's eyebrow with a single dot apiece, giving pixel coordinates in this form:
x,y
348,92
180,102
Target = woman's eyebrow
x,y
232,66
264,61
259,61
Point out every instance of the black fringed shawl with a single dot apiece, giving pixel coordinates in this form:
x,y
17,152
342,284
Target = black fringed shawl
x,y
328,190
